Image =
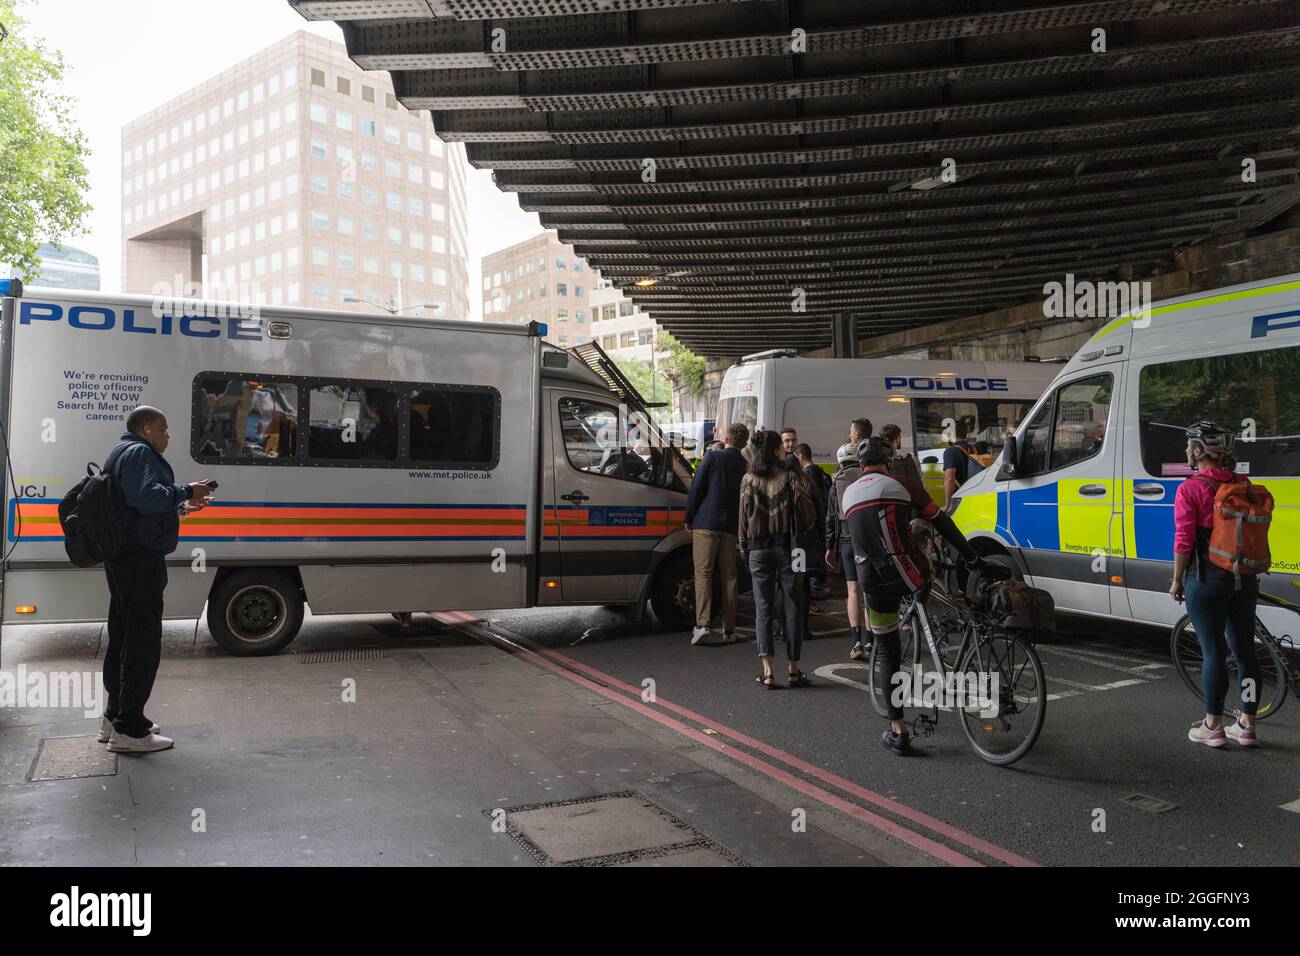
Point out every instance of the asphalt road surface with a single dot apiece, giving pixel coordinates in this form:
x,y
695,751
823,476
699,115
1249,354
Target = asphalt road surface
x,y
1118,729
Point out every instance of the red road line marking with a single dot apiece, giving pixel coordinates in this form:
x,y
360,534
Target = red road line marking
x,y
826,776
925,844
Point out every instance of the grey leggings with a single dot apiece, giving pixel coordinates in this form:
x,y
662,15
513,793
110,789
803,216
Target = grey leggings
x,y
770,568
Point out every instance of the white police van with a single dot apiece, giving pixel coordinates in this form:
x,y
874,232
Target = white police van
x,y
1082,494
932,401
366,463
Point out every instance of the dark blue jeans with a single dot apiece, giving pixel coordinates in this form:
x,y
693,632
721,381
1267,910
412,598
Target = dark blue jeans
x,y
770,568
1217,609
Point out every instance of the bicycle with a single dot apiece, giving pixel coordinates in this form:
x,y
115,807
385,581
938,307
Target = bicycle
x,y
1003,722
1276,675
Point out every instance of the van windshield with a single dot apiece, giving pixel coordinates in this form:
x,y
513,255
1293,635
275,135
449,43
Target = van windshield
x,y
742,408
939,422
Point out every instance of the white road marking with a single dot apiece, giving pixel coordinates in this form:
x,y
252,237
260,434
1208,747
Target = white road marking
x,y
1144,671
1293,806
1082,686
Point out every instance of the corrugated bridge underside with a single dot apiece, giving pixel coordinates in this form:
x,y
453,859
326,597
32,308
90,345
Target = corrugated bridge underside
x,y
905,161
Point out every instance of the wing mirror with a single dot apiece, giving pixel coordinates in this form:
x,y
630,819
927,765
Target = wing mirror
x,y
1010,459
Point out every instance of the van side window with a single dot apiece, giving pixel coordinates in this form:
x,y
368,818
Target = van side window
x,y
1069,428
352,422
455,425
245,419
1251,392
1082,408
594,442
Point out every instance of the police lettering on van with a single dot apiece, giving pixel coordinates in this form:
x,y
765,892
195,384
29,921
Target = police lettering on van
x,y
924,383
99,318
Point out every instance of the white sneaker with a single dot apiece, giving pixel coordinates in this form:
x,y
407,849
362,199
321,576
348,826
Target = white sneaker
x,y
1245,736
699,634
106,730
122,744
1200,734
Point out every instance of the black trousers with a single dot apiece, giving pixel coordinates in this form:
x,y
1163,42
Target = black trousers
x,y
135,585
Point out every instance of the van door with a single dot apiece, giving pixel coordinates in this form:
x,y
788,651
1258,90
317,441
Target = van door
x,y
610,505
1063,511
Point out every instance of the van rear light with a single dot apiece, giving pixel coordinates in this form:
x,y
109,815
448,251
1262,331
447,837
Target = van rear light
x,y
25,609
551,584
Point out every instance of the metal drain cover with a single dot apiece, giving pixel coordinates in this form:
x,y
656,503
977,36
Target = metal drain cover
x,y
615,829
66,758
1142,801
339,654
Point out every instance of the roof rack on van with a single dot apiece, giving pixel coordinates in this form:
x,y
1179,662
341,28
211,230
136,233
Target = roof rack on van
x,y
595,358
770,353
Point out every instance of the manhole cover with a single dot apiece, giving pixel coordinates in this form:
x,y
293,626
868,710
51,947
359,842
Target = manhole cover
x,y
340,654
1142,801
614,829
66,758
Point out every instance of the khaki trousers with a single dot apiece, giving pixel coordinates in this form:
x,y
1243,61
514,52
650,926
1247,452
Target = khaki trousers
x,y
707,549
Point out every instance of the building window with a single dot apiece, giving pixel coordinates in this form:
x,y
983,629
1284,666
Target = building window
x,y
320,292
317,77
561,263
414,141
320,184
394,234
370,230
390,101
393,202
345,225
415,205
645,337
318,113
370,265
370,195
320,256
345,189
416,272
625,308
319,219
367,95
561,289
392,134
367,127
343,121
370,162
627,340
341,85
346,261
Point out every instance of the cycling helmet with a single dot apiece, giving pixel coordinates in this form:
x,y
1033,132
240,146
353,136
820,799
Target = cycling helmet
x,y
1209,438
872,452
847,454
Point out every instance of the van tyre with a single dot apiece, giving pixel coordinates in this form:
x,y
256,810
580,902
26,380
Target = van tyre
x,y
672,595
255,612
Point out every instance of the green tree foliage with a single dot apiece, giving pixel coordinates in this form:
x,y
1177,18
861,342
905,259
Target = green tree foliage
x,y
652,389
683,366
42,154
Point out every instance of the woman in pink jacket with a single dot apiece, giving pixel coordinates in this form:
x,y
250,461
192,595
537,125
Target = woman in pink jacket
x,y
1214,604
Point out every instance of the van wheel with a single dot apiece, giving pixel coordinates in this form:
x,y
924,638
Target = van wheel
x,y
672,596
255,612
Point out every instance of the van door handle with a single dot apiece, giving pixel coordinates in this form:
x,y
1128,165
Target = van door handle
x,y
1148,491
1092,491
575,497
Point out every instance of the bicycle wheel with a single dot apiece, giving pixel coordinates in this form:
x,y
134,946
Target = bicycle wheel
x,y
1189,660
1005,731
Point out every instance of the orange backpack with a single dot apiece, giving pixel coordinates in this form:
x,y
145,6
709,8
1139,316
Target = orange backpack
x,y
1239,534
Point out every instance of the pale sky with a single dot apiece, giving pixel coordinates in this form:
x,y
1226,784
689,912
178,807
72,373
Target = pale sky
x,y
125,57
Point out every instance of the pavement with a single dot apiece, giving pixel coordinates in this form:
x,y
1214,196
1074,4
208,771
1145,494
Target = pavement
x,y
447,752
581,736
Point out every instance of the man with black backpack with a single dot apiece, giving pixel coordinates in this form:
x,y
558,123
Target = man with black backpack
x,y
151,503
